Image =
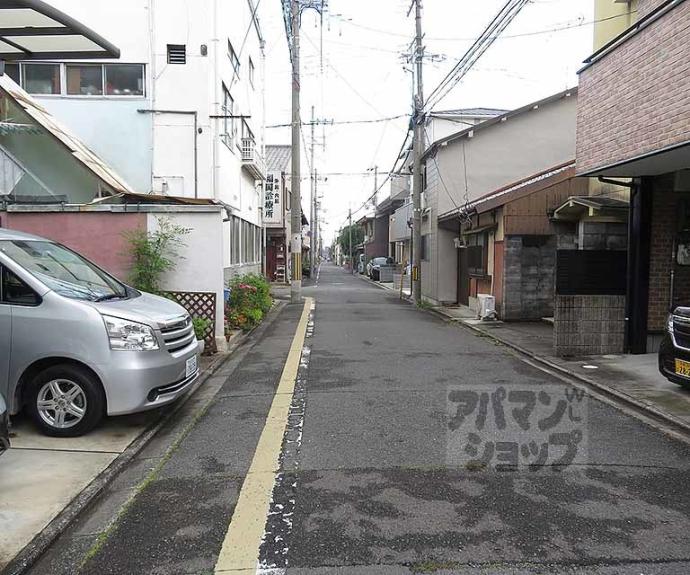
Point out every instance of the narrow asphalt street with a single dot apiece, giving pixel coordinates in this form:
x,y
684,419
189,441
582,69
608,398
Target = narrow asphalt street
x,y
412,446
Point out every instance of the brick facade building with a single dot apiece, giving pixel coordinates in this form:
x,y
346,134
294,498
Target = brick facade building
x,y
642,83
634,122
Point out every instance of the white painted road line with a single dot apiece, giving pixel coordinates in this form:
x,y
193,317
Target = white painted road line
x,y
240,551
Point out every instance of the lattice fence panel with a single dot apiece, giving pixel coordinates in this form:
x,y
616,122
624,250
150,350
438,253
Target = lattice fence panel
x,y
200,304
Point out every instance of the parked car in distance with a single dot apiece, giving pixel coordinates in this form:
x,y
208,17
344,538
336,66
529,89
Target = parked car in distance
x,y
374,267
77,344
362,264
674,353
4,427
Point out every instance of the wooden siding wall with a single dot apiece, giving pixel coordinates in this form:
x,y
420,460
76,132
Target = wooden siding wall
x,y
529,215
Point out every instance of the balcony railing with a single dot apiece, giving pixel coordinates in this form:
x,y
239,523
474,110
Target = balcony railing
x,y
252,160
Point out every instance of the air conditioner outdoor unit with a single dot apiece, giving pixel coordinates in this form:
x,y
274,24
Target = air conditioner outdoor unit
x,y
486,307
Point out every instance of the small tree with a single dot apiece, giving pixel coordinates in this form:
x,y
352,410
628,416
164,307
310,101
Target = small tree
x,y
346,246
154,254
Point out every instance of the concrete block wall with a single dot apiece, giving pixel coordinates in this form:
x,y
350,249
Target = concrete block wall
x,y
589,325
529,276
603,235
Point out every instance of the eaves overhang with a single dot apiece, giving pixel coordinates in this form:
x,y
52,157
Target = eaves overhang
x,y
655,163
35,30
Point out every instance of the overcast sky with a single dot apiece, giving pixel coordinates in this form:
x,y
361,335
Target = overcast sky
x,y
364,77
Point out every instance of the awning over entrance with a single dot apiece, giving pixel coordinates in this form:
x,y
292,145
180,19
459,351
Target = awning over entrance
x,y
577,207
664,161
34,30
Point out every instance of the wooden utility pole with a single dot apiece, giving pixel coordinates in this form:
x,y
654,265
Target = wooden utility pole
x,y
418,150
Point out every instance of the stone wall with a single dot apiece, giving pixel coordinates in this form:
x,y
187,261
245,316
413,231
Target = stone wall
x,y
589,325
530,267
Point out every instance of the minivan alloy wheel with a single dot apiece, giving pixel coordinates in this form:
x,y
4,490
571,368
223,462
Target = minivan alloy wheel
x,y
61,403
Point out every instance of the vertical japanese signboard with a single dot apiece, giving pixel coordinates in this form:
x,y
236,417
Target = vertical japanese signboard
x,y
273,201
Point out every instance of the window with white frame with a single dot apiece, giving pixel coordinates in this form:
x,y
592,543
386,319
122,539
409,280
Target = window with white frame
x,y
84,80
245,242
124,80
234,240
229,123
234,58
41,78
101,80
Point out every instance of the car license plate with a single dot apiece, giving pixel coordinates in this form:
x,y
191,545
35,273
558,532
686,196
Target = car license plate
x,y
683,367
191,366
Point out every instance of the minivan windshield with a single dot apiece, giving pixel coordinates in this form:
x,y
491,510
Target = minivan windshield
x,y
63,271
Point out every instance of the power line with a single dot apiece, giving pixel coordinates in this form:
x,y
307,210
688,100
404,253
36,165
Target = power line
x,y
499,23
347,122
344,79
392,172
506,37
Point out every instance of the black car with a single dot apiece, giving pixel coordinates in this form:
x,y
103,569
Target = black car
x,y
674,353
374,267
4,427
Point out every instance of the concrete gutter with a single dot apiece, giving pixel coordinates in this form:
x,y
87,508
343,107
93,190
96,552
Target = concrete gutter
x,y
651,412
657,416
32,552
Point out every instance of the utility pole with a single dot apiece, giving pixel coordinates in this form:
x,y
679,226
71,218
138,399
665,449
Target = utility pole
x,y
315,233
376,185
296,214
349,230
418,150
312,219
292,16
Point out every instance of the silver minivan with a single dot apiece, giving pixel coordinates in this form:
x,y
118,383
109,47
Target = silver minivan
x,y
77,344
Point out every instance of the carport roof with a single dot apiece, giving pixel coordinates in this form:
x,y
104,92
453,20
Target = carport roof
x,y
34,30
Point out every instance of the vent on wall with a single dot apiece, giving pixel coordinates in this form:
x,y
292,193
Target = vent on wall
x,y
177,54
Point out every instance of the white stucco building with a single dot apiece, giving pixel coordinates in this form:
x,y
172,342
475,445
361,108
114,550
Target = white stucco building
x,y
159,114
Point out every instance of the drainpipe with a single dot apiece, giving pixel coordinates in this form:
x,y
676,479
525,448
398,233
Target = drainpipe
x,y
196,139
152,74
215,133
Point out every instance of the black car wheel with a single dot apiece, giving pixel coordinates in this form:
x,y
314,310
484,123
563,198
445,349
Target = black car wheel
x,y
66,401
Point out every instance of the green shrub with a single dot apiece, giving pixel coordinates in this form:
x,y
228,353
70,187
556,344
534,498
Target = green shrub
x,y
250,299
201,325
154,254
